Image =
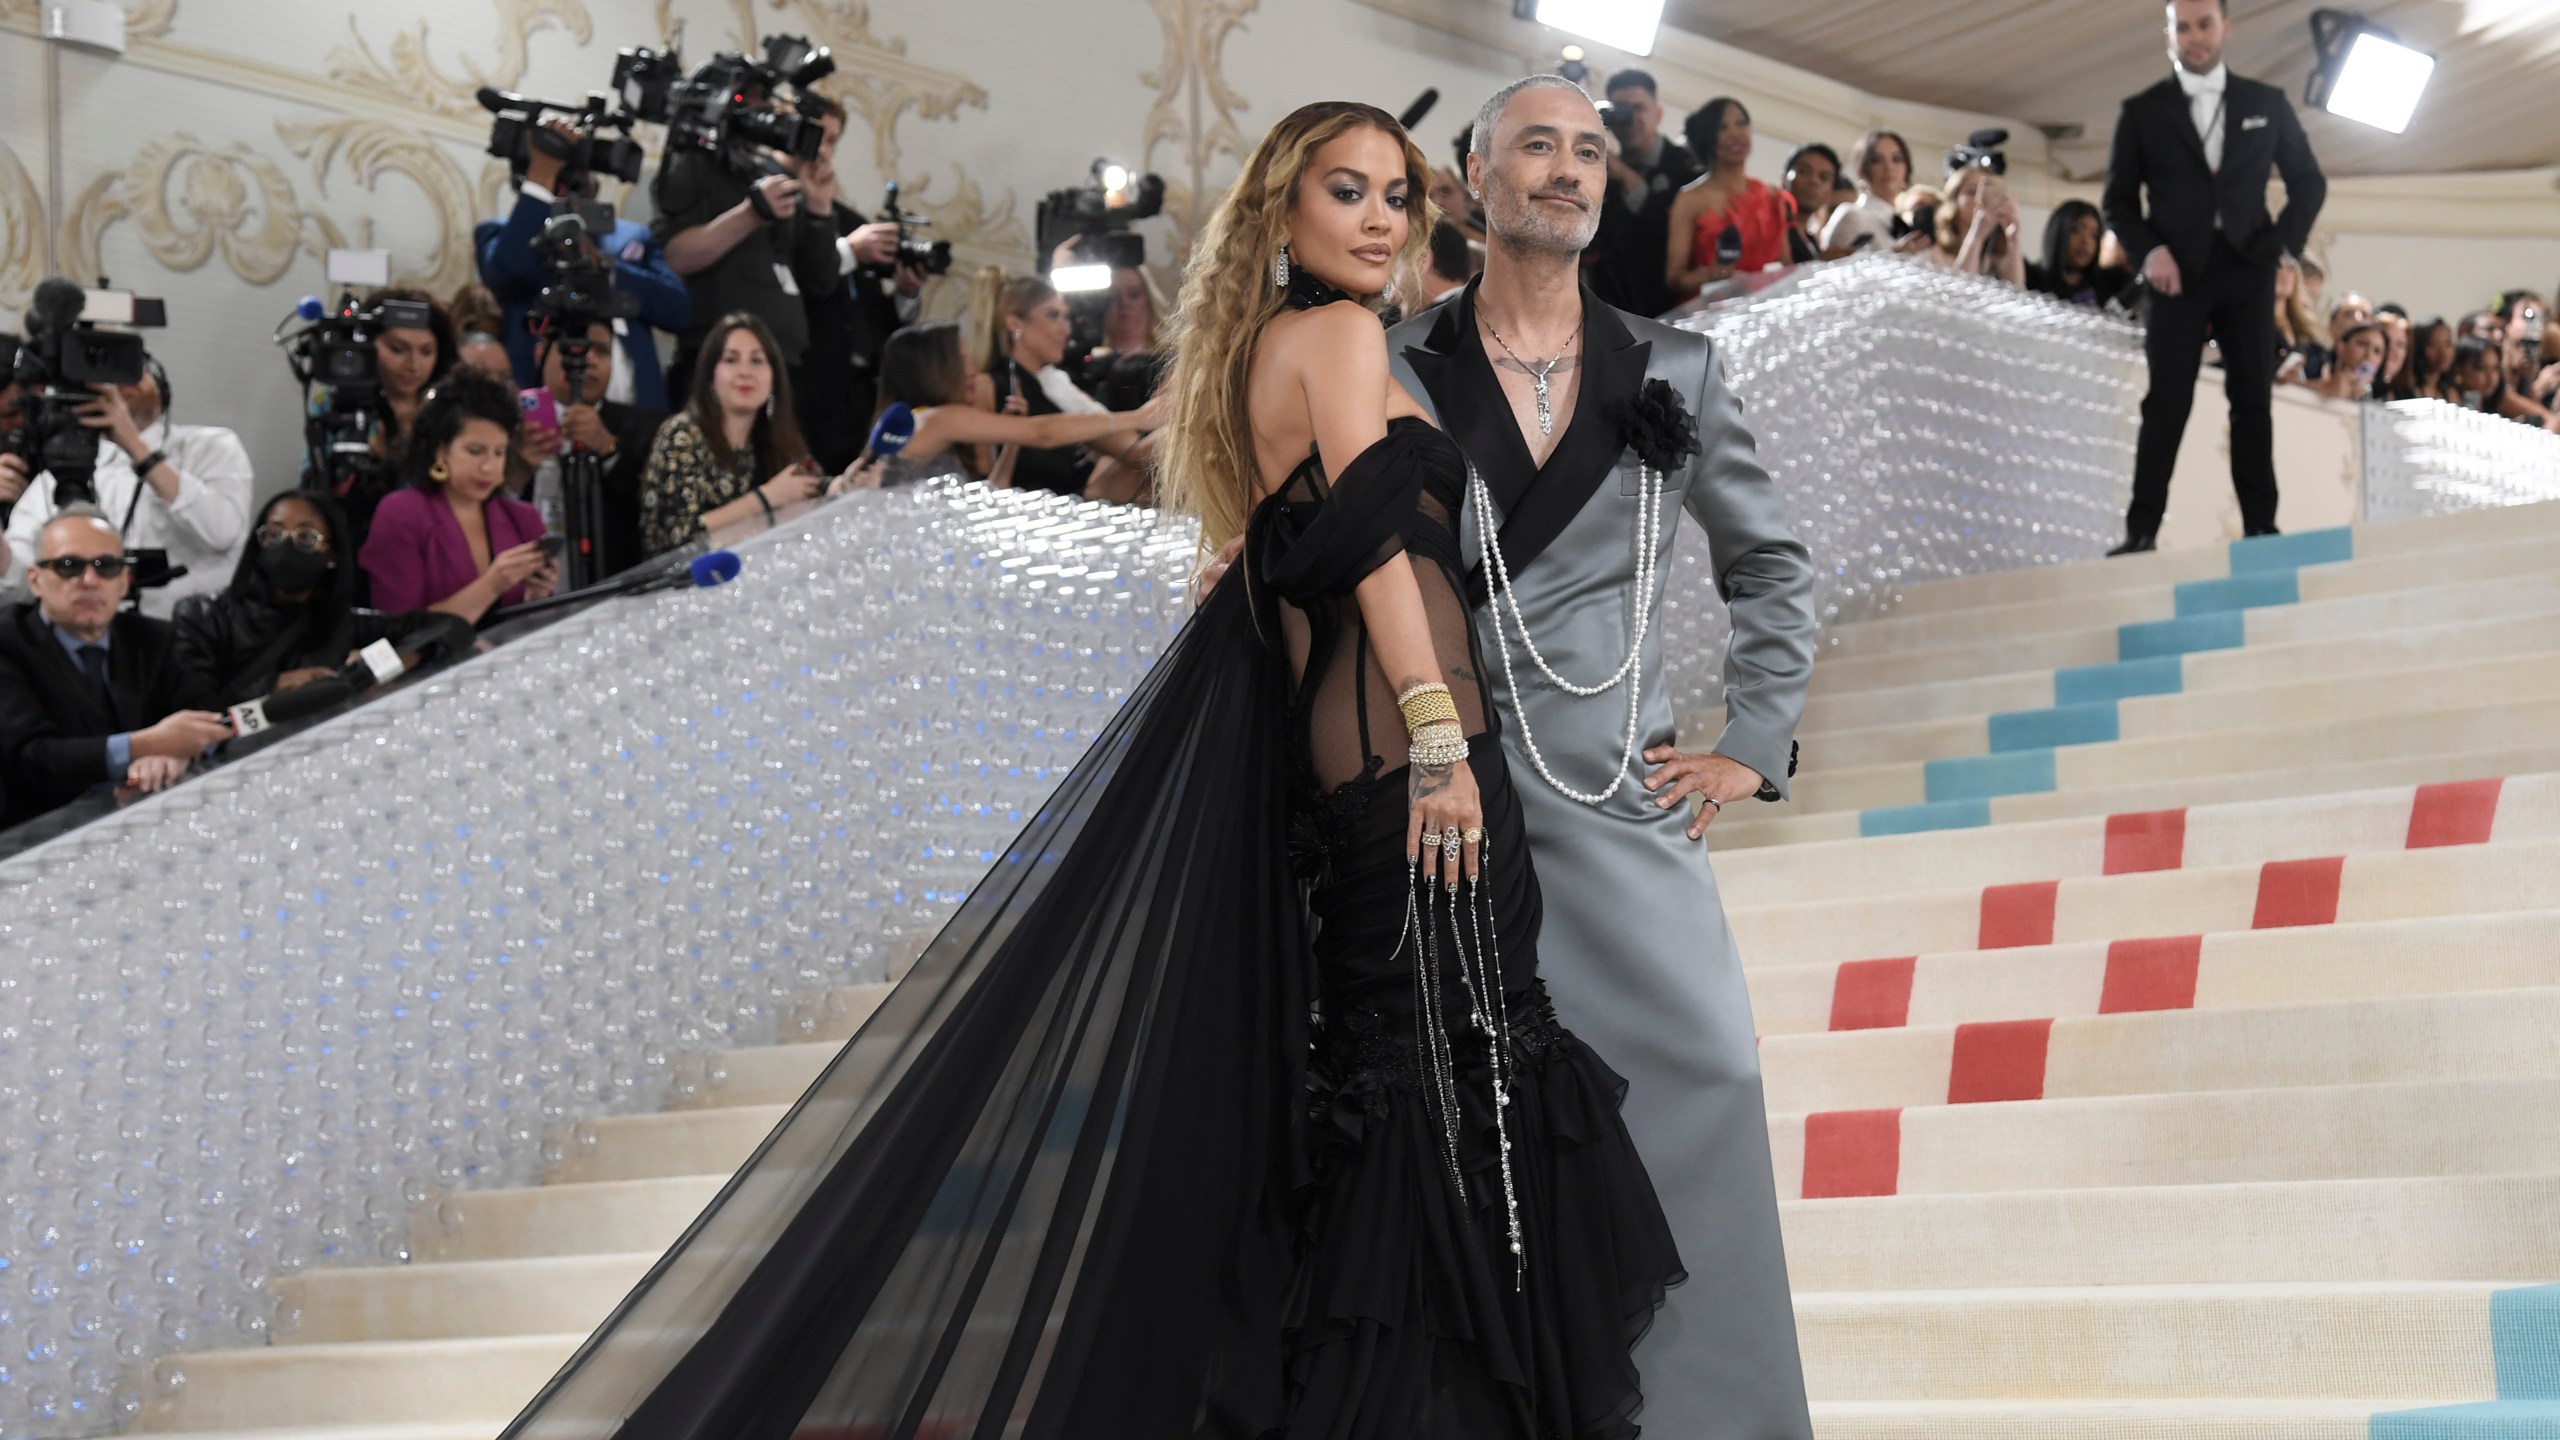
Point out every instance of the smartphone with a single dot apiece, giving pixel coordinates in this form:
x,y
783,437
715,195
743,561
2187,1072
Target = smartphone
x,y
552,545
539,409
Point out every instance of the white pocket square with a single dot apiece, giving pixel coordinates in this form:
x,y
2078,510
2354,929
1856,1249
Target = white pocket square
x,y
2253,122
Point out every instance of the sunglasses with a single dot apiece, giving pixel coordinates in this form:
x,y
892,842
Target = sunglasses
x,y
70,566
305,539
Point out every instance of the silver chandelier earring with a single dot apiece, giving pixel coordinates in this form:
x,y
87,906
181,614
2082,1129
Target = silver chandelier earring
x,y
1280,268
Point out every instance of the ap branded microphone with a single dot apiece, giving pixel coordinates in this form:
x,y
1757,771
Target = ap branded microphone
x,y
376,664
891,432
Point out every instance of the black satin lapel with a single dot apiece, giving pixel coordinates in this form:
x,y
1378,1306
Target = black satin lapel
x,y
1473,410
1588,454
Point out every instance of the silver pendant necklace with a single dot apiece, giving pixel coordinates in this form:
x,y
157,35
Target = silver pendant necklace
x,y
1537,371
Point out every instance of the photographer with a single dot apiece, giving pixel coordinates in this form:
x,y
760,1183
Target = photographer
x,y
1635,224
759,244
90,696
449,541
850,322
512,267
180,488
290,616
619,434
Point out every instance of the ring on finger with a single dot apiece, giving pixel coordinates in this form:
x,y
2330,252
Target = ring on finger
x,y
1710,799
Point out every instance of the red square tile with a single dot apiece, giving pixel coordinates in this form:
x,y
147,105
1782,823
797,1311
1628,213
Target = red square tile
x,y
2152,840
2461,813
1872,994
2298,892
2014,915
1999,1060
2151,974
1852,1152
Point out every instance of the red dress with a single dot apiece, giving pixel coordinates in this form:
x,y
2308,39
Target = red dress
x,y
1761,214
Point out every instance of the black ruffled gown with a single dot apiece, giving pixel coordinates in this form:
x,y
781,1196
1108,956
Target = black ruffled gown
x,y
1154,1140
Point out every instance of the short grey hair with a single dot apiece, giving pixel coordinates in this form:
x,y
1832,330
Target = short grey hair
x,y
1480,140
76,510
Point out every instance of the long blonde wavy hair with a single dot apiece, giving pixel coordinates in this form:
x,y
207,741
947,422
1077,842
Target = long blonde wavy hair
x,y
1209,467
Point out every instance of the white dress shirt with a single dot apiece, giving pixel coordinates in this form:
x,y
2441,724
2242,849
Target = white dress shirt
x,y
204,529
2205,95
1869,216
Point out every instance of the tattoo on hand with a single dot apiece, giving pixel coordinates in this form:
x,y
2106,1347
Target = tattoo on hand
x,y
1430,780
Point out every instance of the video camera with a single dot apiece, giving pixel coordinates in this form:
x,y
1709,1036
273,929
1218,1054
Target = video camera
x,y
931,256
62,355
332,357
518,132
721,109
1980,151
1097,215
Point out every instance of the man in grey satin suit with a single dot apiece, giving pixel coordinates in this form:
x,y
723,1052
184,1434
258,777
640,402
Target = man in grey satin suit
x,y
1534,378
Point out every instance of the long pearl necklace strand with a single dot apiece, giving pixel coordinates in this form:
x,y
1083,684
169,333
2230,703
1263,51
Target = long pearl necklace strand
x,y
1648,540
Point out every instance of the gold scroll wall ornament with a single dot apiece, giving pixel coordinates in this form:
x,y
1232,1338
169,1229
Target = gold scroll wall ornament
x,y
191,201
1194,112
22,228
410,71
373,149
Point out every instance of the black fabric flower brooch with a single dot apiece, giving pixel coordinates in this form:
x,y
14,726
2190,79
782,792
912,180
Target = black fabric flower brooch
x,y
1660,428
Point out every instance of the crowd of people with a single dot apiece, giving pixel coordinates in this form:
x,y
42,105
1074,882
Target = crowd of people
x,y
789,321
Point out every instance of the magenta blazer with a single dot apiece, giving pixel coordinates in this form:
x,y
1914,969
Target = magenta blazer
x,y
416,555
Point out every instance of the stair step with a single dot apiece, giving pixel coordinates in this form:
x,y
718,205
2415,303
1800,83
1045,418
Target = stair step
x,y
2199,760
423,1382
2493,1034
600,1217
2341,1132
2417,690
2393,885
2138,1342
2305,1419
2347,617
481,1430
2367,960
765,1075
2311,584
519,1296
677,1142
2424,1228
834,1014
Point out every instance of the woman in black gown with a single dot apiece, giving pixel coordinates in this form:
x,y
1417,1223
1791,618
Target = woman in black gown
x,y
1230,1104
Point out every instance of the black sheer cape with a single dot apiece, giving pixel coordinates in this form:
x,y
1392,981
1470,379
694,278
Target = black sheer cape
x,y
1045,1191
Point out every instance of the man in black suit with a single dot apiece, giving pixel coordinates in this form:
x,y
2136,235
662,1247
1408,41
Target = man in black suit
x,y
88,696
2202,142
620,434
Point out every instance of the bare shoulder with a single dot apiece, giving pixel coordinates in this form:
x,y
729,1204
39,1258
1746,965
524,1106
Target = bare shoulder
x,y
1343,337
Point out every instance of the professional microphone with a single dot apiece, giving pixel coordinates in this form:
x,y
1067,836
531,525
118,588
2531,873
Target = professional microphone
x,y
714,567
1420,107
376,664
891,432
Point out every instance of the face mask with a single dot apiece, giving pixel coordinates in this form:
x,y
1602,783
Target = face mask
x,y
293,570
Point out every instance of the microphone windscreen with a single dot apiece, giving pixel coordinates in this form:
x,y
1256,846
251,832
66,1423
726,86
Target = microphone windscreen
x,y
1420,107
718,567
895,427
491,98
309,307
56,305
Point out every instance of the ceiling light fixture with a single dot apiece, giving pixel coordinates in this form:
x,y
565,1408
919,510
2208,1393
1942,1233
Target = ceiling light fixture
x,y
1628,25
2364,73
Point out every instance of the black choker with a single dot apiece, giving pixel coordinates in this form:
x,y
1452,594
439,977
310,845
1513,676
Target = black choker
x,y
1306,292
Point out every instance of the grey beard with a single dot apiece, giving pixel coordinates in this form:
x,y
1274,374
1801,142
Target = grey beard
x,y
1520,228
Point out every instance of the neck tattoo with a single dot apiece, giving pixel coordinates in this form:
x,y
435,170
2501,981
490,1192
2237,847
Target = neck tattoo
x,y
1537,370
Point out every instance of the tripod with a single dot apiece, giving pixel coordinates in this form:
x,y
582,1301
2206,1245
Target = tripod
x,y
581,479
